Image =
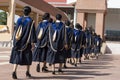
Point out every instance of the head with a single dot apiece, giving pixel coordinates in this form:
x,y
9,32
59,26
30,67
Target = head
x,y
46,16
67,23
58,17
99,36
78,26
26,10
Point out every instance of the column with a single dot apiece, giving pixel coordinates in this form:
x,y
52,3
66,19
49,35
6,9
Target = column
x,y
80,18
75,15
99,26
11,15
36,19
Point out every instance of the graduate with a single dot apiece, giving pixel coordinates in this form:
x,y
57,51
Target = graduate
x,y
76,43
97,43
69,32
56,50
88,38
24,37
40,51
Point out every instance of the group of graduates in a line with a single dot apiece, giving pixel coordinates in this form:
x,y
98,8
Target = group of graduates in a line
x,y
52,42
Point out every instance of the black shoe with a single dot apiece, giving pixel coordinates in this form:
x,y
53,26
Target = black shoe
x,y
75,65
50,64
38,68
14,76
80,61
60,71
44,69
28,75
65,66
68,61
53,72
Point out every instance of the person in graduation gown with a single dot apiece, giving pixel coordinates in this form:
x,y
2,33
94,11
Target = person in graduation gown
x,y
97,43
88,44
24,38
76,43
40,51
56,50
69,32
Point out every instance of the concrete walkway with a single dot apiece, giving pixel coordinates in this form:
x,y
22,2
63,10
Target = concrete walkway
x,y
107,67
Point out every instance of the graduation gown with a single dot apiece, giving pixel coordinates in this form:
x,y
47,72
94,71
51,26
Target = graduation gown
x,y
56,51
40,51
97,43
88,42
69,32
23,57
76,43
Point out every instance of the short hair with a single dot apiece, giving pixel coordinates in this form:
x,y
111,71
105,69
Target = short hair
x,y
67,23
78,26
50,20
58,16
46,16
27,9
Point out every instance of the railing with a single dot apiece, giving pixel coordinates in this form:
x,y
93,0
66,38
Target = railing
x,y
112,35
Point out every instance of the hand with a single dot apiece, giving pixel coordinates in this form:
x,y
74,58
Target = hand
x,y
33,46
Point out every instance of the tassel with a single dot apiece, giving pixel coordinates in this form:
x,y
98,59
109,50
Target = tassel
x,y
54,35
18,33
40,33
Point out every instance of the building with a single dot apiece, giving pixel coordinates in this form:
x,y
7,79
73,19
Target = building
x,y
12,7
102,15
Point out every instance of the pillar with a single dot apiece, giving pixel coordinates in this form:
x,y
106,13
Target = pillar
x,y
10,17
80,18
36,19
75,15
99,26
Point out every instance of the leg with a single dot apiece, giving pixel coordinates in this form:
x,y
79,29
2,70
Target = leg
x,y
60,68
38,67
28,75
44,68
14,76
53,68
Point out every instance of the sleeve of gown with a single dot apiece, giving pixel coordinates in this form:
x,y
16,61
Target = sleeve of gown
x,y
33,35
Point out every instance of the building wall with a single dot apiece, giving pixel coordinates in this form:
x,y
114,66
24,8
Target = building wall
x,y
112,19
91,20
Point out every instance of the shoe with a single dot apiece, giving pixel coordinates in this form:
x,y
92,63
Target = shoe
x,y
14,76
50,64
60,71
65,66
75,65
38,68
68,61
28,75
44,69
53,72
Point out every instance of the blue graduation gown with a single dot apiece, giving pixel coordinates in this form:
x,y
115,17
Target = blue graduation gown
x,y
23,57
69,32
56,48
76,44
40,51
97,43
88,42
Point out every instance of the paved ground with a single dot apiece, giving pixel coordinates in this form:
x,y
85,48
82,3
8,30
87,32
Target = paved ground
x,y
107,67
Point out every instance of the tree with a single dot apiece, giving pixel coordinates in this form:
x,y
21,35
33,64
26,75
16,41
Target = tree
x,y
3,18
